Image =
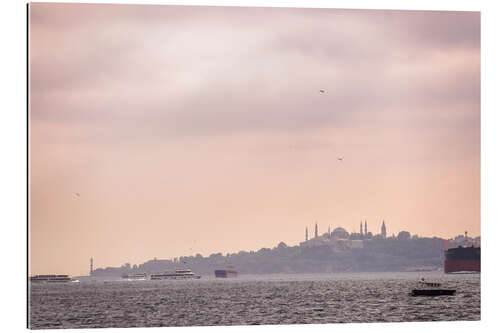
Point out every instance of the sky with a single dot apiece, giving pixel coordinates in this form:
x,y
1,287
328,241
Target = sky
x,y
163,131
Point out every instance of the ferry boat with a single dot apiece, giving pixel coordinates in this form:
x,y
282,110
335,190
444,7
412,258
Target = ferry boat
x,y
135,276
229,272
177,274
431,289
50,278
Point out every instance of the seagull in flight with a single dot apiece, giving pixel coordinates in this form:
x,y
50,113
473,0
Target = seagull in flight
x,y
340,158
77,194
321,91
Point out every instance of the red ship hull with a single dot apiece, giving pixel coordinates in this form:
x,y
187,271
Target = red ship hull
x,y
452,266
462,259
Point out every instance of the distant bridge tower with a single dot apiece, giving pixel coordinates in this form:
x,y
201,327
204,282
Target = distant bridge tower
x,y
307,235
383,231
366,228
316,230
91,266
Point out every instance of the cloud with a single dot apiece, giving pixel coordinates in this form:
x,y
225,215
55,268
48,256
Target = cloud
x,y
153,71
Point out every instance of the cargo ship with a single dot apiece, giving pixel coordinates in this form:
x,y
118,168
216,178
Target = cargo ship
x,y
462,260
229,272
50,278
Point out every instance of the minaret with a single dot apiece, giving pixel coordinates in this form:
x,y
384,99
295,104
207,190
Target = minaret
x,y
361,228
366,228
91,266
316,230
307,236
328,231
383,230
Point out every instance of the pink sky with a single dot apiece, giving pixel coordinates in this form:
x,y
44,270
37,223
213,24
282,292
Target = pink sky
x,y
201,129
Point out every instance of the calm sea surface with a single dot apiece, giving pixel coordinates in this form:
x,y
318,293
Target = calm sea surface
x,y
250,300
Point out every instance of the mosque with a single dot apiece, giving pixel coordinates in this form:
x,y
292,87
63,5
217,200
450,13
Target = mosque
x,y
340,239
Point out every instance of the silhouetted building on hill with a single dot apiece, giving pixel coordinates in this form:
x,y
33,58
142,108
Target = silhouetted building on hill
x,y
340,233
383,230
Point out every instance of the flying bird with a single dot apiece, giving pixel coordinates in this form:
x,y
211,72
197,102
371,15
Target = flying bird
x,y
340,158
77,194
322,91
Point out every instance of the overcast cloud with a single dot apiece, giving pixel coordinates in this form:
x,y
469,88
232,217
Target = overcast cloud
x,y
132,93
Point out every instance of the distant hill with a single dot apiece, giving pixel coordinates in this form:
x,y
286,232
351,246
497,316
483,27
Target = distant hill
x,y
375,254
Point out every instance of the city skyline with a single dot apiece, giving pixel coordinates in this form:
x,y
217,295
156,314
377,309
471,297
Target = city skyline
x,y
319,235
330,238
177,129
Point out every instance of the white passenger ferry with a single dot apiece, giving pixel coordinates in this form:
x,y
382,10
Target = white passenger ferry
x,y
177,274
135,276
50,278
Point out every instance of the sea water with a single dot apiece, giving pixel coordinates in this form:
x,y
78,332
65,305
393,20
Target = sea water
x,y
251,300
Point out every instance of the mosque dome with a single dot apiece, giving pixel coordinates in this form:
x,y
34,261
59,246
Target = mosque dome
x,y
340,233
